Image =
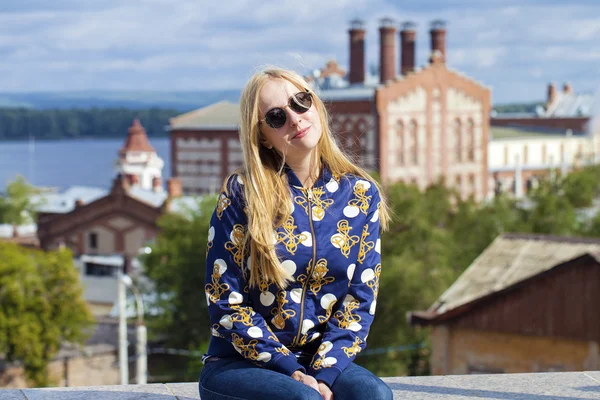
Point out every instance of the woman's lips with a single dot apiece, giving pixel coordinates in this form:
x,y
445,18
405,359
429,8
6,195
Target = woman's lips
x,y
301,134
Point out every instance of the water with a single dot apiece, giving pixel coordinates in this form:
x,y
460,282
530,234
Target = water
x,y
64,163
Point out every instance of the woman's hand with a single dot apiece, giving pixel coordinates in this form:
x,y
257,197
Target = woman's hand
x,y
325,391
306,379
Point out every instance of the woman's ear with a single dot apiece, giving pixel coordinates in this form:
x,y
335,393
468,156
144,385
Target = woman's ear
x,y
265,143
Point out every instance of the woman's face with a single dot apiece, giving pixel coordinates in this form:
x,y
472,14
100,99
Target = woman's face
x,y
300,134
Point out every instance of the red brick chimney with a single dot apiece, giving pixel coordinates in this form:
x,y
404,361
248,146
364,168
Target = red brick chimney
x,y
387,50
174,187
157,184
357,52
551,94
407,53
438,42
567,88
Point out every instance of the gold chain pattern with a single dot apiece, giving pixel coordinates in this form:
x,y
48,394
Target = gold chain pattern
x,y
290,240
354,349
319,277
222,204
342,239
236,247
247,350
281,315
361,200
346,318
216,288
242,314
374,283
365,246
283,350
319,205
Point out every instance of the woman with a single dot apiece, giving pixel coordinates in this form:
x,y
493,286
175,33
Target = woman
x,y
293,259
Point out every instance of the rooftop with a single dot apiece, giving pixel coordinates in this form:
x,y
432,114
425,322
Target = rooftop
x,y
223,114
538,386
509,132
511,258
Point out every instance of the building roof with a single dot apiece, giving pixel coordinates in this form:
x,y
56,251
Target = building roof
x,y
221,115
137,140
511,258
569,105
524,132
61,203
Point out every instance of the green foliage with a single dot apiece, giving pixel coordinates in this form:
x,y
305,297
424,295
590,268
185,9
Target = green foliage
x,y
20,123
41,307
177,265
16,205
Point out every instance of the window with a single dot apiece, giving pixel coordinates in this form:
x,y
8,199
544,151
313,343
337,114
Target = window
x,y
401,139
471,140
93,240
93,269
472,184
414,151
458,139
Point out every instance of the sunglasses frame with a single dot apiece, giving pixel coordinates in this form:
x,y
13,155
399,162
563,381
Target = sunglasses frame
x,y
289,104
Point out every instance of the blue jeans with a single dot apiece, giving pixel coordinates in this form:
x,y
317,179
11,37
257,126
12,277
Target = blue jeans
x,y
234,378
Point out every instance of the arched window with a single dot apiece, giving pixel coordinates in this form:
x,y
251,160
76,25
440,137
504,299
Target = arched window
x,y
401,141
414,142
470,140
458,140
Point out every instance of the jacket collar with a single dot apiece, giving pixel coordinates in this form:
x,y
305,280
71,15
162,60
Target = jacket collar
x,y
322,180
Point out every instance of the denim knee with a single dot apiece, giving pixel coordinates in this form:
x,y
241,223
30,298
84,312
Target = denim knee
x,y
381,392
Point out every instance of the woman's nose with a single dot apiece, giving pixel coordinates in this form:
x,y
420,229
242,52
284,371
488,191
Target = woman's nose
x,y
293,116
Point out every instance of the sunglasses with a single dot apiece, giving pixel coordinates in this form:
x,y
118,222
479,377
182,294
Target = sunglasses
x,y
299,103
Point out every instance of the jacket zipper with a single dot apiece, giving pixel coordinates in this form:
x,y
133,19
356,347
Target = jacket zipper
x,y
309,198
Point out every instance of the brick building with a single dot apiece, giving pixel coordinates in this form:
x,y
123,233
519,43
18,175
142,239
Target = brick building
x,y
106,229
409,124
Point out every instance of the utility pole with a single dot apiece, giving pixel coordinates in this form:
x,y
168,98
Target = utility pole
x,y
123,356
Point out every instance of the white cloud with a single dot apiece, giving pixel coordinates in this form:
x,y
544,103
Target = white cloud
x,y
193,44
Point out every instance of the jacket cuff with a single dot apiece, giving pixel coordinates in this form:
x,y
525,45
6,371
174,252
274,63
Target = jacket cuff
x,y
328,375
287,365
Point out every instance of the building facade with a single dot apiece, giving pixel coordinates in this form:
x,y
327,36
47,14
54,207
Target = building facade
x,y
107,229
526,304
417,125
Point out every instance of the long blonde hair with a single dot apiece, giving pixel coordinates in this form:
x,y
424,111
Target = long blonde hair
x,y
268,198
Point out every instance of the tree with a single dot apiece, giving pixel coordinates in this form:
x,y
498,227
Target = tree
x,y
41,307
17,207
176,267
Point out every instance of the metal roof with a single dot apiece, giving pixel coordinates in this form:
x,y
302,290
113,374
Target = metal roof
x,y
570,105
61,203
223,113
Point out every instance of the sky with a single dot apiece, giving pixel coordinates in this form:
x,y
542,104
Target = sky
x,y
514,47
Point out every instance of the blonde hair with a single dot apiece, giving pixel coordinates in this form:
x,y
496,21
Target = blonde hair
x,y
267,195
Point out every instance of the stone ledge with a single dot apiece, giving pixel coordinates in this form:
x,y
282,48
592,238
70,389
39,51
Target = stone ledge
x,y
539,386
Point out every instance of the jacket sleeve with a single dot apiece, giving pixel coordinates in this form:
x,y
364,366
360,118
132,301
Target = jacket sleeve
x,y
347,329
231,315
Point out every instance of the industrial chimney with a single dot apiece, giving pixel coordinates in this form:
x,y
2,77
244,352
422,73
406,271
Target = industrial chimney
x,y
407,46
387,50
357,52
438,41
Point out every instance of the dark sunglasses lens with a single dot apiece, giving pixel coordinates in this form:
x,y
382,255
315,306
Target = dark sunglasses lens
x,y
275,118
301,102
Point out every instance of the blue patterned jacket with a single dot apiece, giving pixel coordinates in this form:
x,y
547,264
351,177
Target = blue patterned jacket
x,y
331,246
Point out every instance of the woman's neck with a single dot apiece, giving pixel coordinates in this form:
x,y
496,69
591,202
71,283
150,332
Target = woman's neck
x,y
307,172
